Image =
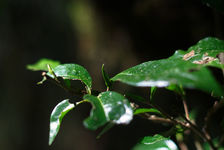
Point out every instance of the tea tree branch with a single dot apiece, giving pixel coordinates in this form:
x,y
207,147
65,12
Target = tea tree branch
x,y
188,124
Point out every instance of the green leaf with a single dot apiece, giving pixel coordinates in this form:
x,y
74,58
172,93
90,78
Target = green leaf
x,y
156,142
177,89
204,52
108,107
147,110
152,92
163,73
179,69
217,4
106,78
207,44
73,72
56,118
97,116
41,65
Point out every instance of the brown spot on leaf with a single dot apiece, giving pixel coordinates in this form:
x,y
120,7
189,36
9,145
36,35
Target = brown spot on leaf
x,y
189,55
198,62
205,60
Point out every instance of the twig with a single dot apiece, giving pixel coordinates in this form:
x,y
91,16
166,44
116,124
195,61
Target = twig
x,y
188,124
185,108
175,121
217,105
156,118
198,132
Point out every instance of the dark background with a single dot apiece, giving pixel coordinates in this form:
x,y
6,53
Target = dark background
x,y
119,34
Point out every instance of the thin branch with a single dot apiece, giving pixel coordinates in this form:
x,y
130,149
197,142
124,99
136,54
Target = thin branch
x,y
198,132
175,121
217,106
156,119
186,108
188,124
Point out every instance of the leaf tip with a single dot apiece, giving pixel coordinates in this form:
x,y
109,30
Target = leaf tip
x,y
50,142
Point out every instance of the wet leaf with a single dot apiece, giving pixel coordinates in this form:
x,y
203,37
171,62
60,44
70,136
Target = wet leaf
x,y
156,142
207,44
56,118
204,52
179,69
108,107
73,72
163,73
41,65
97,116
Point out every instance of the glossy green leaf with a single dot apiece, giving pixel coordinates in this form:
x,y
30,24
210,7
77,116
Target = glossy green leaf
x,y
205,52
207,44
106,78
180,70
217,4
163,73
108,107
56,118
73,72
147,110
97,116
156,142
41,65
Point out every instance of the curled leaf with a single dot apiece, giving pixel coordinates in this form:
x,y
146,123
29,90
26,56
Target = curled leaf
x,y
73,72
108,107
56,118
